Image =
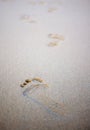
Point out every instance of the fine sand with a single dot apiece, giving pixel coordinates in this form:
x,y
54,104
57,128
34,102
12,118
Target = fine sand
x,y
48,40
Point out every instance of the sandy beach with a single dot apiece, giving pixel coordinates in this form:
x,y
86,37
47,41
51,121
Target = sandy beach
x,y
48,39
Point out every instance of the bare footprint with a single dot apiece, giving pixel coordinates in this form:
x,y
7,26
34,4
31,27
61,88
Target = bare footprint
x,y
39,82
56,36
52,44
27,18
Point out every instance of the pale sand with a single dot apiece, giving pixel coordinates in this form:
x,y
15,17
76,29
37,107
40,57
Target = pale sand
x,y
66,68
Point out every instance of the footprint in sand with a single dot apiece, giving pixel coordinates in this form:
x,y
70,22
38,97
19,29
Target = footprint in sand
x,y
35,80
56,36
41,98
52,44
56,39
28,19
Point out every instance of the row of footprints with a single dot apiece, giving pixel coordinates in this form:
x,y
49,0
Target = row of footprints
x,y
40,2
43,2
55,38
29,19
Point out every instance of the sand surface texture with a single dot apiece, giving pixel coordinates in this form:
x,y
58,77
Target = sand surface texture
x,y
47,40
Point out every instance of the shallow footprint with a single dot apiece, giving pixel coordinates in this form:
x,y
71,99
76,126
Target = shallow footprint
x,y
36,80
27,18
53,44
56,36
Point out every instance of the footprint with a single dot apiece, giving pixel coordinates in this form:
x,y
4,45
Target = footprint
x,y
35,80
27,18
56,36
52,44
56,39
